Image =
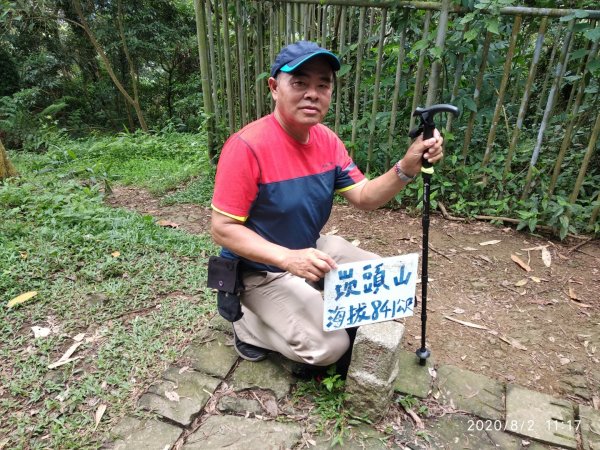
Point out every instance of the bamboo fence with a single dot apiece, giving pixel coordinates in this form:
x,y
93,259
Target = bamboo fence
x,y
521,76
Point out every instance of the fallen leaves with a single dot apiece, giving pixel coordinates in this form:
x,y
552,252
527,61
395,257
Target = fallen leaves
x,y
40,332
98,416
21,299
467,324
520,262
513,342
167,223
66,357
546,257
493,242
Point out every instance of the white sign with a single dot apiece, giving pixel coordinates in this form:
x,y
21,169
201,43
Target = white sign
x,y
370,291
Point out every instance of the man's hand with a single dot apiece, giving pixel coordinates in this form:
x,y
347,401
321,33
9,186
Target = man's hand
x,y
430,149
309,263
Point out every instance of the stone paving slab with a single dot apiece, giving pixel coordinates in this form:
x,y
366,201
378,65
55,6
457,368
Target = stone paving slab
x,y
458,431
268,374
151,434
214,357
471,392
238,433
219,324
235,405
540,416
413,378
590,427
191,392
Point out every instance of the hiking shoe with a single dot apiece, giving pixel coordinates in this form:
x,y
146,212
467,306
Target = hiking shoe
x,y
248,352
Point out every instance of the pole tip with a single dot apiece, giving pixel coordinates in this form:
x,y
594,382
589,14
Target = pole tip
x,y
423,354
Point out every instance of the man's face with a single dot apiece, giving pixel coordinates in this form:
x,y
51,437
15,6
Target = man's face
x,y
302,98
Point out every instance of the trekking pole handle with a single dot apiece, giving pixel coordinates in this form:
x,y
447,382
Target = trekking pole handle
x,y
428,125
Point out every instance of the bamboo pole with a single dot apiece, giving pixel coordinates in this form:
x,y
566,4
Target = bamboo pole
x,y
220,57
305,12
476,94
258,61
586,160
560,68
436,6
526,95
420,71
212,62
500,101
240,37
371,12
204,73
457,76
288,23
544,88
395,96
272,32
434,77
280,27
324,17
571,123
375,105
359,56
338,91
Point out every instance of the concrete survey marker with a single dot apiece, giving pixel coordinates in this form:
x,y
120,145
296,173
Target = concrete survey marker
x,y
135,434
541,417
374,368
238,433
590,427
179,396
471,392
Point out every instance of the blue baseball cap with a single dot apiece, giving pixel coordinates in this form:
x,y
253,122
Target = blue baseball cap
x,y
294,55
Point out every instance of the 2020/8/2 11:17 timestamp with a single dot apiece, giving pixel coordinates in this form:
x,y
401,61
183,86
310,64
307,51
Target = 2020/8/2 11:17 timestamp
x,y
521,426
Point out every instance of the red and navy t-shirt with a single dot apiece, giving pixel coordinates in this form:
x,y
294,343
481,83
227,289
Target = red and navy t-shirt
x,y
279,188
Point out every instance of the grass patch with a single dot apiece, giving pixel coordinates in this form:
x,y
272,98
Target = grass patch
x,y
137,290
330,414
199,191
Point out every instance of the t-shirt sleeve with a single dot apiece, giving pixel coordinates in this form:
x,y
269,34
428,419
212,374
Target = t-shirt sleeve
x,y
236,181
348,175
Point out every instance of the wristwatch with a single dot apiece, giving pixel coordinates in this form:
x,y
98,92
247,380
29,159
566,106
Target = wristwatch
x,y
403,177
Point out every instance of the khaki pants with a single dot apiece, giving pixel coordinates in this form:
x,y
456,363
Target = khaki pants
x,y
284,313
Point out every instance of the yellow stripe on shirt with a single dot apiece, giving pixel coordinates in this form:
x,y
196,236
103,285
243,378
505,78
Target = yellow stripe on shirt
x,y
240,218
347,188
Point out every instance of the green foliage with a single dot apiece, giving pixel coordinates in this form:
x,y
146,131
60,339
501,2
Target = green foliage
x,y
159,162
410,402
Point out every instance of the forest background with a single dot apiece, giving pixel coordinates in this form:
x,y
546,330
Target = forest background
x,y
524,147
143,93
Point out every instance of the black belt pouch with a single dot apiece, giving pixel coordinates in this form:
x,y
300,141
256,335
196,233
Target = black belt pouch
x,y
225,276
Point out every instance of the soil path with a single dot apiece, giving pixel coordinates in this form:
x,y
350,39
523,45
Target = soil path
x,y
541,327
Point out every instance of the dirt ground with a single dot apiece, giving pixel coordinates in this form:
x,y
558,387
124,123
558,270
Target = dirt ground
x,y
486,312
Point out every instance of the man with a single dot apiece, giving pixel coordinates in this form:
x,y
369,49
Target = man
x,y
274,189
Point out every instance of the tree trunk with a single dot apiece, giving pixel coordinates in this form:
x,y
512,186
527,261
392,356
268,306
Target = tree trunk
x,y
105,60
7,170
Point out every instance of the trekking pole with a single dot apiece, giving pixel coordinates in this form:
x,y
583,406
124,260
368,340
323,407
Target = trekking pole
x,y
427,127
